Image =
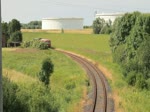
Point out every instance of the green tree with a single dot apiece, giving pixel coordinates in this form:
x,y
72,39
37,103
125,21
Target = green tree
x,y
32,25
16,36
122,28
143,54
14,25
5,30
130,42
106,29
98,25
46,70
14,31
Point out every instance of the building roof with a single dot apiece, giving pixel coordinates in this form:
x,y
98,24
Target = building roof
x,y
110,14
62,19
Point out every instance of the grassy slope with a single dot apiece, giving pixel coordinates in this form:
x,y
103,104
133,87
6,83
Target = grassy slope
x,y
96,47
28,61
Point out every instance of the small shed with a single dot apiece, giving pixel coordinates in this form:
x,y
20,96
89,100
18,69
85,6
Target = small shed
x,y
14,44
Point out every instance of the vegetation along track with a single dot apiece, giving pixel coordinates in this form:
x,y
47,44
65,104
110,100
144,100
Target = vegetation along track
x,y
100,95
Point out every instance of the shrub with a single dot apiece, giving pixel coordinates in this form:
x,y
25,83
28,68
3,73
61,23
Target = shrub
x,y
131,78
16,36
26,44
140,81
148,83
37,98
43,46
35,44
11,103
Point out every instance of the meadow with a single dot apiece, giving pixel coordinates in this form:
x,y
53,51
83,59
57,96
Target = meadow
x,y
96,47
66,84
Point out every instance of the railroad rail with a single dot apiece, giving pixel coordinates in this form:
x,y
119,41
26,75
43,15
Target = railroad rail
x,y
100,95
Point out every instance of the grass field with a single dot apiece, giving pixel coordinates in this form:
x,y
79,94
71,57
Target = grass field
x,y
96,47
66,83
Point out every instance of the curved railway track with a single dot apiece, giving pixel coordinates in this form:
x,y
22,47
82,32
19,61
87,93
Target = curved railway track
x,y
100,95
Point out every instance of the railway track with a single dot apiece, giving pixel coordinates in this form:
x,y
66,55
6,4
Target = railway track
x,y
100,94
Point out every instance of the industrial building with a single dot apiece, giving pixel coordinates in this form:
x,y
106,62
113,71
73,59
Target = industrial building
x,y
109,16
62,23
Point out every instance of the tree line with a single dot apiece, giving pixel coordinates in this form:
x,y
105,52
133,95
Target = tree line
x,y
130,45
32,25
11,31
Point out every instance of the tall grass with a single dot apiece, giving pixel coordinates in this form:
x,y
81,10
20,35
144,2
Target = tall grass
x,y
96,47
67,81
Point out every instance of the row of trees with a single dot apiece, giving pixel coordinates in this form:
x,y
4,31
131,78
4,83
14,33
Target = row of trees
x,y
32,25
100,26
130,43
11,31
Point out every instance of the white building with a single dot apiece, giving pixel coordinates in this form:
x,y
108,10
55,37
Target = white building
x,y
109,16
62,23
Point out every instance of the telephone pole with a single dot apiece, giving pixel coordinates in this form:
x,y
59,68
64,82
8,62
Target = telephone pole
x,y
1,90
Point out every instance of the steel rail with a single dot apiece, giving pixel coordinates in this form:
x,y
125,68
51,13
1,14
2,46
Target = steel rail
x,y
87,63
93,80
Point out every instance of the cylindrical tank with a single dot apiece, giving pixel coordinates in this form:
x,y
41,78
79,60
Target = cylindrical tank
x,y
109,16
62,23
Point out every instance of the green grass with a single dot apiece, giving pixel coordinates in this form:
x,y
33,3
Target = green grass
x,y
67,81
96,47
93,46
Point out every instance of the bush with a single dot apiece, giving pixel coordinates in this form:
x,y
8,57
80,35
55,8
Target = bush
x,y
11,103
119,54
43,46
26,44
140,81
106,30
148,83
16,37
35,44
131,78
38,98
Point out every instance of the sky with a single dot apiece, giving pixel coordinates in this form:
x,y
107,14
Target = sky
x,y
30,10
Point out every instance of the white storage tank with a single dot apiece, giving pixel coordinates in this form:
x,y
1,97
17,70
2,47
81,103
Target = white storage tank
x,y
109,16
62,23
